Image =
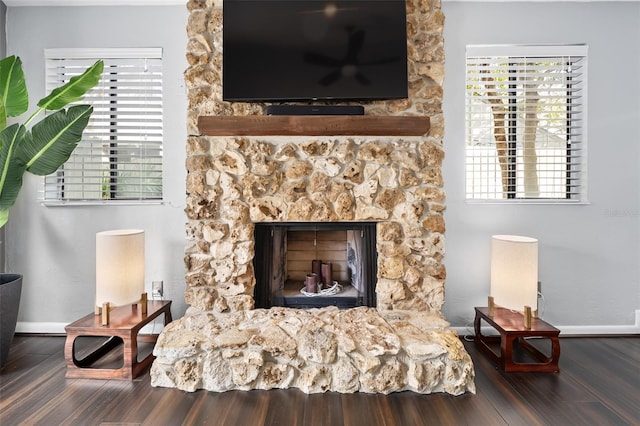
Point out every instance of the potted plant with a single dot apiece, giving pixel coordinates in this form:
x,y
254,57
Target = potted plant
x,y
38,146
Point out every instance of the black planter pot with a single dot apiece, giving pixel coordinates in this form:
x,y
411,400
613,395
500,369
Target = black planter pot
x,y
10,289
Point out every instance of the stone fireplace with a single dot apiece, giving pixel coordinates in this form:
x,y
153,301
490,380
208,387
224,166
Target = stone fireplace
x,y
238,182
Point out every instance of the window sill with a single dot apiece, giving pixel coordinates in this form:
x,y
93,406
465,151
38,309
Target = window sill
x,y
515,201
83,203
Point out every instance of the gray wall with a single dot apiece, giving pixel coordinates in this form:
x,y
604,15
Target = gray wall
x,y
589,254
54,247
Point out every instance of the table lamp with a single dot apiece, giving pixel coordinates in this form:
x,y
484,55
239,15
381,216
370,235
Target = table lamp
x,y
119,269
514,274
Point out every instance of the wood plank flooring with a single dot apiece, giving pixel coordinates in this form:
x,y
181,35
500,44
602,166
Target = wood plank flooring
x,y
598,384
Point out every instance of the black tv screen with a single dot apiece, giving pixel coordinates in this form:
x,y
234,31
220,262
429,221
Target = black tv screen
x,y
300,50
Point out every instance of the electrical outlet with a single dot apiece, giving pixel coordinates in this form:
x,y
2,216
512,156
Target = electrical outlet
x,y
157,289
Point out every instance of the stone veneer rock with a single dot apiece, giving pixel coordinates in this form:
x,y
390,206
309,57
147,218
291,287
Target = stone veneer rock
x,y
316,350
234,182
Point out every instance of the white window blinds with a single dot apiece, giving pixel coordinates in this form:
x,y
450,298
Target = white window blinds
x,y
120,155
525,123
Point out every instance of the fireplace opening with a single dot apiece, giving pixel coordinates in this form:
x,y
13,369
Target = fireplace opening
x,y
312,265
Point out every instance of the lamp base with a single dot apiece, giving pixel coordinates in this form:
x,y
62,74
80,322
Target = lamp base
x,y
104,309
105,313
143,303
527,317
492,306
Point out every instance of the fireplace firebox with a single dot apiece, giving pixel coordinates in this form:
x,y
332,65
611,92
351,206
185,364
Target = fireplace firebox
x,y
341,257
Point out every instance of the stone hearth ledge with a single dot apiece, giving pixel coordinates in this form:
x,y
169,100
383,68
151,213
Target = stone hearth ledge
x,y
316,350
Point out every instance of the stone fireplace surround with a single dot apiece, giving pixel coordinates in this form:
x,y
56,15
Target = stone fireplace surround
x,y
233,182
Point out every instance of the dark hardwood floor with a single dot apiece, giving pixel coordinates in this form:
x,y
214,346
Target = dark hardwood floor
x,y
598,384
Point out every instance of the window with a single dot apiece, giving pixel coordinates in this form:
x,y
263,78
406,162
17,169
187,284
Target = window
x,y
525,123
120,156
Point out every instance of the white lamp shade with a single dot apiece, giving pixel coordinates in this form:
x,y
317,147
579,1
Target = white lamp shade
x,y
514,271
119,266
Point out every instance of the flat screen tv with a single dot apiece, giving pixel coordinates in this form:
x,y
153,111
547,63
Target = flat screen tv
x,y
302,50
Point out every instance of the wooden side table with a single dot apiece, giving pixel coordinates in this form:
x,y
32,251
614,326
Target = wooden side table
x,y
125,323
510,325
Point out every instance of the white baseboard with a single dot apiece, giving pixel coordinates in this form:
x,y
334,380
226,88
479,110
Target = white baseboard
x,y
41,327
571,330
58,328
565,330
576,330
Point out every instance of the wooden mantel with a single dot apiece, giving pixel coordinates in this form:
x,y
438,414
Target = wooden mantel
x,y
313,125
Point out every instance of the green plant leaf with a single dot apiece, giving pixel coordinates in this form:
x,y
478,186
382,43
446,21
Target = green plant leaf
x,y
4,217
3,116
11,167
53,140
13,88
74,90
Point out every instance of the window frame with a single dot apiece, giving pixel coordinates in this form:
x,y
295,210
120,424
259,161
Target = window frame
x,y
105,54
518,52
